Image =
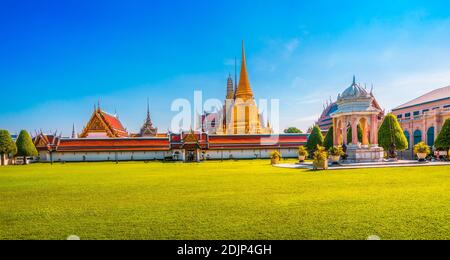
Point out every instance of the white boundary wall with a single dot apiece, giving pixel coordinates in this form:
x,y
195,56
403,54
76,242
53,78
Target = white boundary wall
x,y
104,156
161,155
248,154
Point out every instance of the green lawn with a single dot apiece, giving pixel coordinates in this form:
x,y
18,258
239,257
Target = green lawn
x,y
221,200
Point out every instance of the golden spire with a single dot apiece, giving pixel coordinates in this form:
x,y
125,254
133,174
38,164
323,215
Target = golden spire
x,y
244,90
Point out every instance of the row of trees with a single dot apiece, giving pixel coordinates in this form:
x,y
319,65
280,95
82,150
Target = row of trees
x,y
390,136
23,147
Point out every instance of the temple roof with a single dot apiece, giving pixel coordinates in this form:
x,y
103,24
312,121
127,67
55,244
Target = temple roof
x,y
103,122
114,122
435,95
148,129
244,90
354,91
230,88
114,144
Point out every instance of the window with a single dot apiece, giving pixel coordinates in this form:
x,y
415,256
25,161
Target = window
x,y
435,108
416,113
425,111
407,115
447,106
399,116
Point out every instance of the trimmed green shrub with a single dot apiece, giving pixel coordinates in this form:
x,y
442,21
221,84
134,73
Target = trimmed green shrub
x,y
25,146
315,139
7,145
328,142
443,140
391,133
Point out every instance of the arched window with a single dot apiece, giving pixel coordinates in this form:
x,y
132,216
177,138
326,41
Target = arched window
x,y
408,137
430,136
417,136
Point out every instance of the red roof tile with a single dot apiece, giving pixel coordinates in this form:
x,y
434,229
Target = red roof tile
x,y
114,123
114,144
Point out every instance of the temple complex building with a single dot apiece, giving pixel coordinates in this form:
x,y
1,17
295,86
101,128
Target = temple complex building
x,y
148,130
240,114
355,107
423,118
103,125
237,131
325,120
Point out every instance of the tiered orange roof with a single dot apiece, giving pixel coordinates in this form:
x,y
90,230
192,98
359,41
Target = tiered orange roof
x,y
114,144
102,122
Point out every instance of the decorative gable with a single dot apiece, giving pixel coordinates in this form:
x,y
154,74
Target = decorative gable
x,y
103,125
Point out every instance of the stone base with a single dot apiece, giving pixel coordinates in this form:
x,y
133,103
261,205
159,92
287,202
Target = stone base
x,y
365,154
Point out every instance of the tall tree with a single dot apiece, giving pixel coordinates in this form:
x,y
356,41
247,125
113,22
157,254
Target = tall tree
x,y
315,138
329,139
25,146
293,130
7,146
443,139
391,136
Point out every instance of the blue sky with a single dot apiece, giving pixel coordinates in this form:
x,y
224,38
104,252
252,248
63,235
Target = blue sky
x,y
59,57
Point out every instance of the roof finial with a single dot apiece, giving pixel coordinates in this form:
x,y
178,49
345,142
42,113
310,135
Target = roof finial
x,y
354,80
98,104
74,135
148,106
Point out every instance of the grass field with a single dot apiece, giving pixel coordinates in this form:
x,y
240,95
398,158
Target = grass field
x,y
221,200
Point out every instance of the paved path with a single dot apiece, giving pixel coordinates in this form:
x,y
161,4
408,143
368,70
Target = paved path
x,y
346,166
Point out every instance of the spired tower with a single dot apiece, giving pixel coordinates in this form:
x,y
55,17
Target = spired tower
x,y
230,88
241,112
148,130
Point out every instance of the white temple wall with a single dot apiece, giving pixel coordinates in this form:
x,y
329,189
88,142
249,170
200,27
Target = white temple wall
x,y
248,154
107,156
160,155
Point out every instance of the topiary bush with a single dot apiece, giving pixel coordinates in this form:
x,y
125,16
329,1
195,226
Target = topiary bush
x,y
328,142
391,136
443,140
25,146
7,146
315,139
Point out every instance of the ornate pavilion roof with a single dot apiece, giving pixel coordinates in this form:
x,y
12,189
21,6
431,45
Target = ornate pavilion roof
x,y
356,99
354,91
